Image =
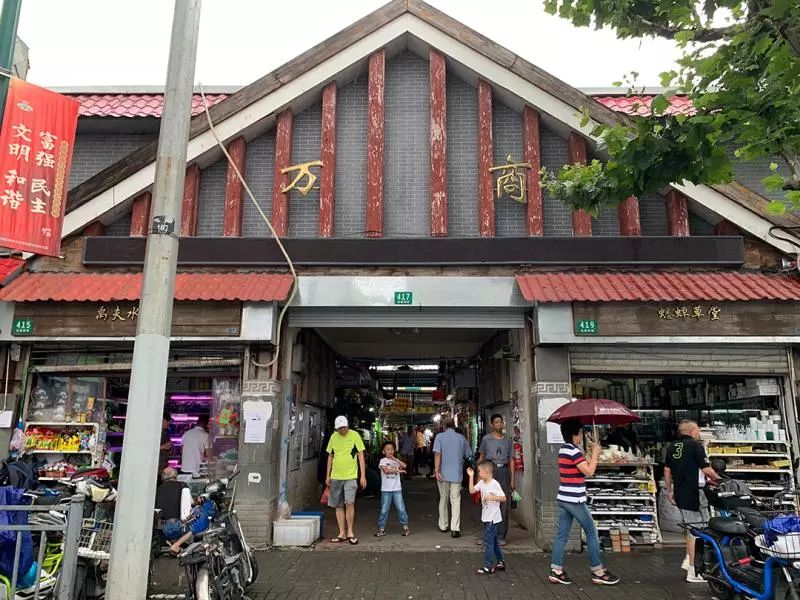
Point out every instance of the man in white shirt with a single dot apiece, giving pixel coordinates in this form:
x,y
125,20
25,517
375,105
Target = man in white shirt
x,y
194,450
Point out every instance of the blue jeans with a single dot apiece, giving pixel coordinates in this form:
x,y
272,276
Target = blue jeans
x,y
491,546
386,503
567,512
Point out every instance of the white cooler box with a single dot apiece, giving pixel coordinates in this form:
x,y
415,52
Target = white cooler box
x,y
294,532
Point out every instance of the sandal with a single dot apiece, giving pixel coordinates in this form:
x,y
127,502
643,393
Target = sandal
x,y
380,533
353,541
405,532
485,571
337,540
500,566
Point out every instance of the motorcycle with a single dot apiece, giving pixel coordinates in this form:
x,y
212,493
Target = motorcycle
x,y
219,564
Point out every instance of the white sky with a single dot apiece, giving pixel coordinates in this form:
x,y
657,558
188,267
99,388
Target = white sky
x,y
115,42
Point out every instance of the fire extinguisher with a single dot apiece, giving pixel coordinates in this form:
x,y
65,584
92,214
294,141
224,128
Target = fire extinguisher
x,y
519,463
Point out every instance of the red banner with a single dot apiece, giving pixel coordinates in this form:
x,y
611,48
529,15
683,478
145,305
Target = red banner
x,y
36,142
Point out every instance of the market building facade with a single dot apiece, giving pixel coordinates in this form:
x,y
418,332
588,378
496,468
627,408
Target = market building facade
x,y
398,163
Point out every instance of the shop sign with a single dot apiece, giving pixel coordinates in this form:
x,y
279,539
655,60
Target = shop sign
x,y
404,298
303,172
511,180
586,327
36,143
22,326
687,318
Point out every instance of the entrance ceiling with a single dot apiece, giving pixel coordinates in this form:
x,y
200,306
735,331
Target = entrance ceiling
x,y
409,343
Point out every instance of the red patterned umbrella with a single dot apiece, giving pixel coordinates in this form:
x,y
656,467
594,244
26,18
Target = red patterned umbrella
x,y
594,411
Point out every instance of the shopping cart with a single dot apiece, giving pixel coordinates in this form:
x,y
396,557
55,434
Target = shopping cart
x,y
95,540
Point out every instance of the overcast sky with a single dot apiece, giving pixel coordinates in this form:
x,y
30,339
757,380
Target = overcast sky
x,y
115,42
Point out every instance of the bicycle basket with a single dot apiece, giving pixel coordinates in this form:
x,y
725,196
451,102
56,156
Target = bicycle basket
x,y
95,540
781,537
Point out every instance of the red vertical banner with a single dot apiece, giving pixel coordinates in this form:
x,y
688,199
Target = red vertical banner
x,y
36,142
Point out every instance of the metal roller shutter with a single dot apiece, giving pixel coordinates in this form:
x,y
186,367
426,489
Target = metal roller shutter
x,y
451,318
679,359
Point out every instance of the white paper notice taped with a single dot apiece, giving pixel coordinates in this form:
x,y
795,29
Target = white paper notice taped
x,y
256,415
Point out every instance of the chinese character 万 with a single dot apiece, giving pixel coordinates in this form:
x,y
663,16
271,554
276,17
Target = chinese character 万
x,y
39,185
102,314
21,132
117,315
20,151
665,313
12,198
12,177
45,159
682,312
714,312
697,312
38,206
133,313
512,180
47,140
302,171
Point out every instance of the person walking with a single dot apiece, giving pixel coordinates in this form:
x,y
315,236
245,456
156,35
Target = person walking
x,y
345,460
685,472
391,489
492,496
496,447
407,440
573,469
450,451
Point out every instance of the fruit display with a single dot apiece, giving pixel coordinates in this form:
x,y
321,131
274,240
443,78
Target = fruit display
x,y
57,440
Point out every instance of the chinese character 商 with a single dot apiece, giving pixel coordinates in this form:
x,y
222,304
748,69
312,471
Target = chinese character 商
x,y
682,312
303,171
133,313
512,180
714,312
45,159
117,315
21,131
102,314
697,312
665,313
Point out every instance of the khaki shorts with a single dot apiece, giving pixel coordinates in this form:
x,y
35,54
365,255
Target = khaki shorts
x,y
343,491
697,517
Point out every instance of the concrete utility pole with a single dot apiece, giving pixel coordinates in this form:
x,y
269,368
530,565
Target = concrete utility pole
x,y
9,19
130,548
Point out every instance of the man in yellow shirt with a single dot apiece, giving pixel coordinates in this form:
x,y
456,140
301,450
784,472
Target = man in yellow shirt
x,y
343,471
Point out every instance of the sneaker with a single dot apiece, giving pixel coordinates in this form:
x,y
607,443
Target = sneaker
x,y
693,577
455,534
380,533
405,532
500,566
607,578
485,571
685,564
559,577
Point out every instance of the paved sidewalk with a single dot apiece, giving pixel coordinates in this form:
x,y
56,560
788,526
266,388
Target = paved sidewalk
x,y
450,575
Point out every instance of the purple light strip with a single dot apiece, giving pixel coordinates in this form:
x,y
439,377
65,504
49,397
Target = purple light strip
x,y
190,397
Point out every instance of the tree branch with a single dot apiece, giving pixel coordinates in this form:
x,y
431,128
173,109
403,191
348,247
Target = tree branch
x,y
699,35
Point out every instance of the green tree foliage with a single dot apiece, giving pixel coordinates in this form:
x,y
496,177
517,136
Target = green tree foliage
x,y
740,66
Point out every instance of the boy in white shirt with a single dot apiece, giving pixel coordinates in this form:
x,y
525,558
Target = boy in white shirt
x,y
491,497
391,489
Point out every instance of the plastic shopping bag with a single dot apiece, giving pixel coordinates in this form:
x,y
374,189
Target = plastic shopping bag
x,y
325,495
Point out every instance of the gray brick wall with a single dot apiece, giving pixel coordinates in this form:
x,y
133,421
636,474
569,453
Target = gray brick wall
x,y
351,159
121,227
306,138
557,217
462,158
699,226
509,215
750,173
211,206
407,161
653,216
93,152
259,176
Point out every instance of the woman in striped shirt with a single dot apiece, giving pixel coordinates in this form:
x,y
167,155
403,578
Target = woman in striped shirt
x,y
573,468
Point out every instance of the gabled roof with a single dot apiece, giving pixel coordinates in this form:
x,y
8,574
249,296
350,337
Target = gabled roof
x,y
397,25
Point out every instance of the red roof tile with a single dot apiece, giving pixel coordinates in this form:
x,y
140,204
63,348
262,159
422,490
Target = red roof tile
x,y
640,105
656,287
134,105
106,287
8,266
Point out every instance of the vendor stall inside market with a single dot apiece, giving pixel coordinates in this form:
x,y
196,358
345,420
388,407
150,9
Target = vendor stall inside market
x,y
743,421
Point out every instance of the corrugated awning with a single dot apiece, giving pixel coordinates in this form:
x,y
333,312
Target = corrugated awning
x,y
107,287
656,287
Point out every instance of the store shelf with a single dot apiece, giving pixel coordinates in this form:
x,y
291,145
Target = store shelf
x,y
630,528
765,488
622,512
59,424
747,442
607,497
625,464
59,451
616,480
751,455
758,470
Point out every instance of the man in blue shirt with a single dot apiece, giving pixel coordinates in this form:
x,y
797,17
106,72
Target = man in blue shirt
x,y
450,449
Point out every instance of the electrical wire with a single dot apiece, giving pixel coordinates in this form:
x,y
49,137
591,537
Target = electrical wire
x,y
274,362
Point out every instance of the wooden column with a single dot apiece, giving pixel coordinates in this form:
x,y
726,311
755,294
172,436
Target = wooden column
x,y
375,139
532,153
140,215
725,227
191,199
581,220
283,159
94,229
438,89
234,190
327,154
677,214
629,222
485,158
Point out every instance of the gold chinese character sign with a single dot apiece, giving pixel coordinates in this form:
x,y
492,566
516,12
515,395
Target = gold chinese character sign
x,y
512,180
303,170
685,312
